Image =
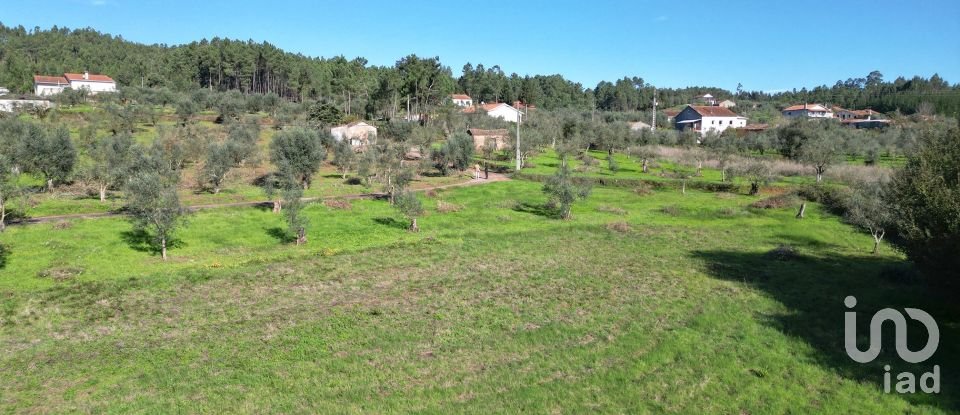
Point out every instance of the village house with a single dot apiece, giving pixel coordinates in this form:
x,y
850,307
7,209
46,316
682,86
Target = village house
x,y
705,99
727,103
499,138
845,114
704,119
498,110
359,133
462,100
639,126
92,83
807,111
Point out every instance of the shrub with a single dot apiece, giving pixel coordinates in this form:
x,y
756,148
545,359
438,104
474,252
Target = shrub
x,y
776,202
643,189
338,204
619,226
783,253
447,207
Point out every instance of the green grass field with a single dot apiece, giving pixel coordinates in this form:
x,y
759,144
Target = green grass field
x,y
641,303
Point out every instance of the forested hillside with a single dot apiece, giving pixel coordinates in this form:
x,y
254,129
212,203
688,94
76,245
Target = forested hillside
x,y
357,87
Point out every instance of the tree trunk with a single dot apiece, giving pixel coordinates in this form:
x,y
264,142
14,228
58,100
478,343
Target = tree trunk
x,y
683,187
163,248
49,185
723,174
276,206
3,216
877,238
301,236
216,189
819,174
413,225
754,189
644,165
699,168
803,208
103,193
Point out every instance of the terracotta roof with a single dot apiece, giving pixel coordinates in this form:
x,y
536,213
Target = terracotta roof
x,y
754,127
461,96
477,131
92,77
811,107
713,111
671,113
56,80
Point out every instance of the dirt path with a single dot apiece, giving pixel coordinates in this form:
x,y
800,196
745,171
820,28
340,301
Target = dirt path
x,y
494,177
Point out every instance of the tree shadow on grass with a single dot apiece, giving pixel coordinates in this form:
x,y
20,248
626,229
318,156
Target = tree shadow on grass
x,y
4,253
813,287
537,209
281,234
391,222
142,241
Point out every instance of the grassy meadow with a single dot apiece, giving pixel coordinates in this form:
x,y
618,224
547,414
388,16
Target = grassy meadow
x,y
643,302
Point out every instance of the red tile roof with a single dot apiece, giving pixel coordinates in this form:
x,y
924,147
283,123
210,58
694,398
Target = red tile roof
x,y
461,96
811,107
713,111
92,77
56,80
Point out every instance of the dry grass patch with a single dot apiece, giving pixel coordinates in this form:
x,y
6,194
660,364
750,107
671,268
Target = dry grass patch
x,y
611,209
776,202
619,226
338,204
447,207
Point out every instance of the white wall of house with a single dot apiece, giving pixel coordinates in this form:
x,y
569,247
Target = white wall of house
x,y
359,134
505,112
719,124
42,90
9,105
463,102
94,87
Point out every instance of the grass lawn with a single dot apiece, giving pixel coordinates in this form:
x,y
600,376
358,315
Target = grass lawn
x,y
630,307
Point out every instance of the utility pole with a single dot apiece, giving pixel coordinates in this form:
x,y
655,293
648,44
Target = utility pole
x,y
519,120
653,114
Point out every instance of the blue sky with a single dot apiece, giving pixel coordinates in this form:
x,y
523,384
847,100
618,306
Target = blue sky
x,y
766,45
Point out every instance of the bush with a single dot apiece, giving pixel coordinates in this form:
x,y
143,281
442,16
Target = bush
x,y
834,199
620,226
447,207
338,204
776,202
924,198
783,253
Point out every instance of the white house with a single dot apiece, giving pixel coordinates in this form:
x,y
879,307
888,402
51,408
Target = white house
x,y
359,133
4,91
502,111
808,111
727,103
706,99
93,83
462,100
49,85
704,119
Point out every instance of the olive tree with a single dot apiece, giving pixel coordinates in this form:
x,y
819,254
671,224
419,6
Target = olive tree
x,y
10,189
217,164
111,158
562,190
50,153
925,199
410,207
867,209
757,173
300,152
152,199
